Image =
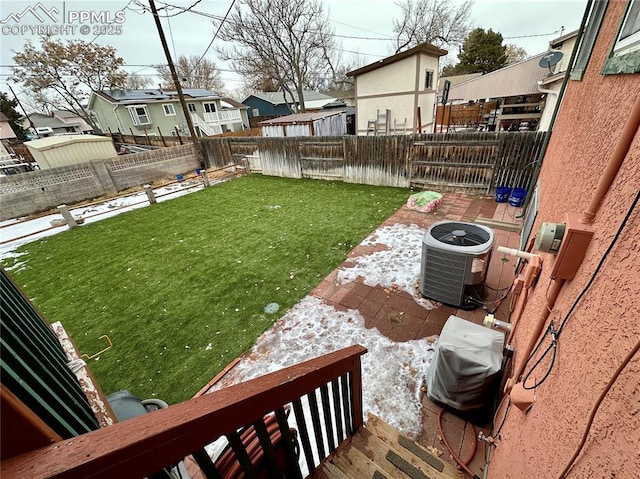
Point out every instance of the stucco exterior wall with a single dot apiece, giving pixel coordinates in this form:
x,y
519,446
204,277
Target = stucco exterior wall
x,y
604,326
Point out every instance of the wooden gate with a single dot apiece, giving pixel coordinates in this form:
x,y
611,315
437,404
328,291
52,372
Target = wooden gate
x,y
454,161
322,160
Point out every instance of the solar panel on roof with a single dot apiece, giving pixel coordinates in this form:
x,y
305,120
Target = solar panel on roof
x,y
155,95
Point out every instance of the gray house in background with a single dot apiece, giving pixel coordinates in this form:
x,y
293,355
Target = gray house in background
x,y
274,103
58,122
152,111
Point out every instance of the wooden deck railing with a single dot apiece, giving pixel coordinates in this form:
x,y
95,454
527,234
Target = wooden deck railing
x,y
145,444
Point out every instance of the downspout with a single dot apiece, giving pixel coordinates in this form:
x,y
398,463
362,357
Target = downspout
x,y
544,90
116,115
622,148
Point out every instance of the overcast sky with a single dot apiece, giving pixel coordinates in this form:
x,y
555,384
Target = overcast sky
x,y
530,24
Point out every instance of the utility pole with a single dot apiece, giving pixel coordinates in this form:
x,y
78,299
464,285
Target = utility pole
x,y
174,75
20,105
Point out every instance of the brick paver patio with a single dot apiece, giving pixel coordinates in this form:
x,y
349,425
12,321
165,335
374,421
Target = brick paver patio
x,y
398,316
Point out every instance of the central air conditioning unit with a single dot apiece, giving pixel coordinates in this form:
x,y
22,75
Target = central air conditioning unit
x,y
455,260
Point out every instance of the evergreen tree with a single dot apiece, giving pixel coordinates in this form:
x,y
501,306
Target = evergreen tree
x,y
8,107
482,52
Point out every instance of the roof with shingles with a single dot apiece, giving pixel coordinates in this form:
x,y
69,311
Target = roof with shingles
x,y
302,117
278,98
153,95
40,120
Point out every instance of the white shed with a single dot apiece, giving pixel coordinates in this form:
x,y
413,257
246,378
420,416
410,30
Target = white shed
x,y
66,150
319,123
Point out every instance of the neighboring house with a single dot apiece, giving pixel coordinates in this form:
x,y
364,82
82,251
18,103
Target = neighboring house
x,y
589,180
455,80
514,87
552,82
526,92
398,94
6,133
231,104
348,97
71,117
58,122
279,103
153,111
320,123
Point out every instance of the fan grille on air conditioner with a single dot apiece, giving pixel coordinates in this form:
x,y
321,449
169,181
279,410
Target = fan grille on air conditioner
x,y
455,259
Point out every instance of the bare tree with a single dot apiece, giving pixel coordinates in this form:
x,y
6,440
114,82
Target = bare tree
x,y
137,82
442,23
194,72
515,53
281,40
60,75
259,81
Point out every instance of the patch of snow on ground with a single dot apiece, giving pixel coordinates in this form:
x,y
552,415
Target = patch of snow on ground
x,y
14,234
398,265
392,372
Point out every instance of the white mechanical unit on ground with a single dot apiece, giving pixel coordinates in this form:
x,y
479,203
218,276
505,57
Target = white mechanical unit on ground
x,y
455,260
466,365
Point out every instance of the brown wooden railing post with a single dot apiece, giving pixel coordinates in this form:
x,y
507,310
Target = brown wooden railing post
x,y
356,391
162,137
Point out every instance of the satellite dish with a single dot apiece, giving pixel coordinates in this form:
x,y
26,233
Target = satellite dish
x,y
551,59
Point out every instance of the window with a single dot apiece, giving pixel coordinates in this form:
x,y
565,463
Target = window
x,y
589,36
168,109
428,80
625,53
191,107
629,37
209,107
255,112
139,115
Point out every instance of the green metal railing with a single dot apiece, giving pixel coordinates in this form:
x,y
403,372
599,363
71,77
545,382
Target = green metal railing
x,y
34,368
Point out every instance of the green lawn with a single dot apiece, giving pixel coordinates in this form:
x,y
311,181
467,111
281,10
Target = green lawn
x,y
180,287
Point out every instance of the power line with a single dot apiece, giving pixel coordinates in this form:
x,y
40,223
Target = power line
x,y
355,27
531,36
218,18
168,6
173,44
215,34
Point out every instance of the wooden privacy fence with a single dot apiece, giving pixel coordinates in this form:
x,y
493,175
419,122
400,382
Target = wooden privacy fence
x,y
473,161
454,162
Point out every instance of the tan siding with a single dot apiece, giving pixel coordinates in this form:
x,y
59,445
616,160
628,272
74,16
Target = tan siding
x,y
517,79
